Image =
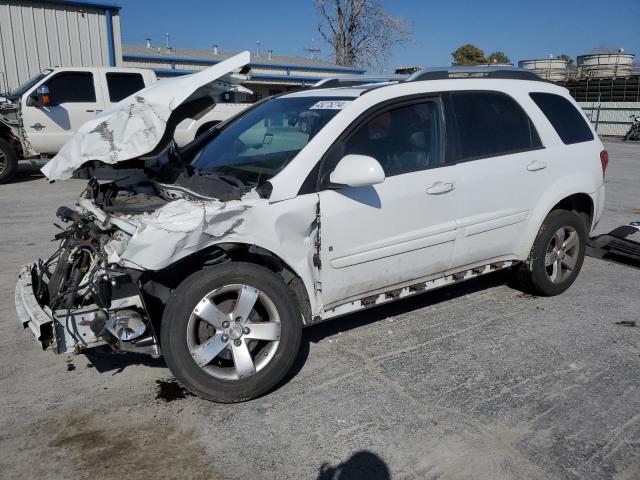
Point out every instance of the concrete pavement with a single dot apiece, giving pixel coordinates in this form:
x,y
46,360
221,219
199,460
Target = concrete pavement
x,y
475,381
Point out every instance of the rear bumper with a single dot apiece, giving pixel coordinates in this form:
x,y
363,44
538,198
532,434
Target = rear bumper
x,y
598,203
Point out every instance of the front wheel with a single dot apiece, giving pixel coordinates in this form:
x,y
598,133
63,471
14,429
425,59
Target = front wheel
x,y
556,256
231,332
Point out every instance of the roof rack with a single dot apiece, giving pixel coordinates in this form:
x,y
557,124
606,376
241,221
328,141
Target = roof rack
x,y
354,80
446,73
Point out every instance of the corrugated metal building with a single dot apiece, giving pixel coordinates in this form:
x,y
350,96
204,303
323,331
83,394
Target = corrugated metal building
x,y
272,74
35,35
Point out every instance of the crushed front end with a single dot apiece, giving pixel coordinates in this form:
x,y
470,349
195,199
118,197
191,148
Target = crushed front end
x,y
78,298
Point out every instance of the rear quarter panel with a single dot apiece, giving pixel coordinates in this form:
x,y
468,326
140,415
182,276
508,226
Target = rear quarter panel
x,y
572,168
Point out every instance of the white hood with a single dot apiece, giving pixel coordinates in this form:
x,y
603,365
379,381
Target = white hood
x,y
136,125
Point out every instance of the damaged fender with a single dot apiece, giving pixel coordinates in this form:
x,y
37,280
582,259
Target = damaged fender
x,y
183,227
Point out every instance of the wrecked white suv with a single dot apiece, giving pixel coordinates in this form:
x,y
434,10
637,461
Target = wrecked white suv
x,y
305,207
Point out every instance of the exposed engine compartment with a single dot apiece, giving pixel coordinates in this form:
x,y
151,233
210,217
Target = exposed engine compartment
x,y
95,300
85,284
163,179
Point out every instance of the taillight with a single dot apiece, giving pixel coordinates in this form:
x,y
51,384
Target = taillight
x,y
604,160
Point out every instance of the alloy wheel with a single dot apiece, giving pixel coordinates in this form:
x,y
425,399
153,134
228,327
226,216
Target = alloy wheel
x,y
4,162
233,332
562,254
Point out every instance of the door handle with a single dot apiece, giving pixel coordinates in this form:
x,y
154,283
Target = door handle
x,y
90,110
439,188
536,165
38,126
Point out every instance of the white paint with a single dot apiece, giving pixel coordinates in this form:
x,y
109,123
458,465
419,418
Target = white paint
x,y
134,126
427,224
182,227
47,129
357,171
187,130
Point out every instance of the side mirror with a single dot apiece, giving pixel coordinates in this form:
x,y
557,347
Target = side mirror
x,y
357,171
41,97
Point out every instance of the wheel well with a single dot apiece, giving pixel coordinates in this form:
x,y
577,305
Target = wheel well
x,y
159,285
580,203
7,134
206,126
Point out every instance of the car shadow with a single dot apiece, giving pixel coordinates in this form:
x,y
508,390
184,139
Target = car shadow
x,y
317,333
28,172
105,360
320,331
362,465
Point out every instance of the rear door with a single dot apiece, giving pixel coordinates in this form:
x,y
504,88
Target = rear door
x,y
503,171
380,236
75,97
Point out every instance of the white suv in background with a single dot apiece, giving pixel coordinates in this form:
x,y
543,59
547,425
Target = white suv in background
x,y
315,204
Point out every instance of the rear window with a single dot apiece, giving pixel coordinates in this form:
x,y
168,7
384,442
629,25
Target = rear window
x,y
565,118
121,85
491,124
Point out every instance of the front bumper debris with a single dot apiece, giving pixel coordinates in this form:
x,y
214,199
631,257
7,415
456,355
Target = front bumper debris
x,y
53,331
621,245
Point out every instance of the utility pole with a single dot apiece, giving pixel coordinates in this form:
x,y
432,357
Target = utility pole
x,y
312,50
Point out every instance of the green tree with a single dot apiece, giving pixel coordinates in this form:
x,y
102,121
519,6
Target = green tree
x,y
468,54
498,57
566,58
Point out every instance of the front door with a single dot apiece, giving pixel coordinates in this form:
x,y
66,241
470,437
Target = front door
x,y
376,237
73,101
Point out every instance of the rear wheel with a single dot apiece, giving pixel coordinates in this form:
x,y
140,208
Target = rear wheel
x,y
556,256
8,161
231,332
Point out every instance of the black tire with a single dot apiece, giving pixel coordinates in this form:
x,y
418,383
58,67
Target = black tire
x,y
175,323
533,275
8,162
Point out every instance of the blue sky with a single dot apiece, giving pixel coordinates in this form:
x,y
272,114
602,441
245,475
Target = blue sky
x,y
521,28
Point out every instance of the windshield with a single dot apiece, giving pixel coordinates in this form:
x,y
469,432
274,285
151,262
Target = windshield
x,y
260,143
18,92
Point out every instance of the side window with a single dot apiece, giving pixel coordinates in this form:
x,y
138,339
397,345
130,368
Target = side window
x,y
72,87
403,139
491,124
567,121
121,85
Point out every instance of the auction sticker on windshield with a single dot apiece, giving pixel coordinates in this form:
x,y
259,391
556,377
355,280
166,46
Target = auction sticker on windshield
x,y
330,105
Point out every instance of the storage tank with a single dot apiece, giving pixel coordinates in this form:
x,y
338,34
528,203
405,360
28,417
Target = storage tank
x,y
553,69
606,65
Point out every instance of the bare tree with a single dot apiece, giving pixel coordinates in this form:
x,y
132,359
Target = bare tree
x,y
360,32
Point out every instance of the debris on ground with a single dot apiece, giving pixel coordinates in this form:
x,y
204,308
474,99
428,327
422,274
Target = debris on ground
x,y
626,323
